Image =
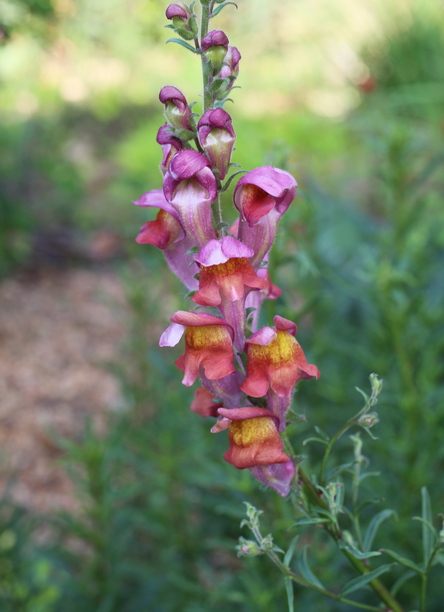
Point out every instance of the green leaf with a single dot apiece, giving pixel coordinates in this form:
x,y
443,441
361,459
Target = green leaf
x,y
306,521
398,584
305,570
314,439
374,526
402,560
290,552
290,593
357,553
360,581
220,7
427,535
179,41
364,395
322,433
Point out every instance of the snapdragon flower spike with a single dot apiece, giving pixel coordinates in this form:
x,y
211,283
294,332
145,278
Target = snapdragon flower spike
x,y
204,404
208,343
167,233
215,46
217,137
275,363
277,476
254,438
170,146
226,275
190,187
262,196
177,110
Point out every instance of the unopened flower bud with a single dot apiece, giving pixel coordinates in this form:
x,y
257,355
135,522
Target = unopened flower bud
x,y
177,110
214,47
184,21
369,419
217,137
248,548
228,72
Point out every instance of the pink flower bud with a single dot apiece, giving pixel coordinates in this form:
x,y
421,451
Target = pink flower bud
x,y
214,46
177,110
170,146
216,38
217,136
178,9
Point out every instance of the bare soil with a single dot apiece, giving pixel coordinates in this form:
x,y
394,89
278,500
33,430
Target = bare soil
x,y
58,332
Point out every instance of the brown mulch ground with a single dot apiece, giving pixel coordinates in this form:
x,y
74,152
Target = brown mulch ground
x,y
57,333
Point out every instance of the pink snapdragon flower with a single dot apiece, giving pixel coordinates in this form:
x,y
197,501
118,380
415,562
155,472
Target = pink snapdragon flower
x,y
170,146
262,196
208,343
254,438
190,187
167,233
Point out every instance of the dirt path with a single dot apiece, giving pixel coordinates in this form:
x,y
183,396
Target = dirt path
x,y
57,333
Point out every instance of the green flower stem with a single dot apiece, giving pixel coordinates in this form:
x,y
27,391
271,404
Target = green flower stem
x,y
333,529
373,399
207,10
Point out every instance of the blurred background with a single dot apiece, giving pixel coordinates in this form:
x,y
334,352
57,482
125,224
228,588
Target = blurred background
x,y
114,498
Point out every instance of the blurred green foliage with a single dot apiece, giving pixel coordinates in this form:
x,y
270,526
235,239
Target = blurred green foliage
x,y
359,256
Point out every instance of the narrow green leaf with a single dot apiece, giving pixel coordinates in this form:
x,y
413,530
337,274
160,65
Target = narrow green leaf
x,y
179,41
427,535
290,552
306,571
374,526
305,521
322,433
360,581
314,439
357,553
364,395
290,593
402,560
220,7
398,584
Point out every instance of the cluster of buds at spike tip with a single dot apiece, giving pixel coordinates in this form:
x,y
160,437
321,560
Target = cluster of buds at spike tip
x,y
247,374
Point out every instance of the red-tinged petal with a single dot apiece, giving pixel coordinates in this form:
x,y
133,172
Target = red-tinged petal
x,y
247,412
197,319
285,325
189,364
172,335
253,442
208,293
308,370
162,232
257,382
204,404
218,365
263,189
